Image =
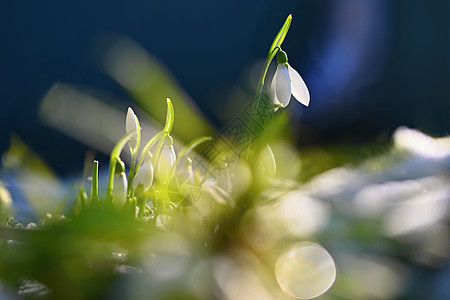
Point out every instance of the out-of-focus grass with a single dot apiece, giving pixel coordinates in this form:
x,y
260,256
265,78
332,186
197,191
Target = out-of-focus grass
x,y
146,79
317,159
365,216
382,219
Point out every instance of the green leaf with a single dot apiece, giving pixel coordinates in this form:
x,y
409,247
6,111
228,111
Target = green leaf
x,y
169,117
279,38
94,188
281,34
147,147
193,144
115,153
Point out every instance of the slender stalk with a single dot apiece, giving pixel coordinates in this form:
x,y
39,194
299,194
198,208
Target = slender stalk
x,y
94,188
140,201
164,192
147,147
83,199
262,77
191,146
169,117
131,175
115,153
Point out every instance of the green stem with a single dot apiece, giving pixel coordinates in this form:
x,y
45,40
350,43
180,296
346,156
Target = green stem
x,y
252,126
147,147
94,189
169,117
131,175
83,199
115,153
140,201
262,77
191,146
165,198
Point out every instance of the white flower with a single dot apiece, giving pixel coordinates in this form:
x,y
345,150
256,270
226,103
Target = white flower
x,y
144,175
166,161
120,184
131,124
285,82
120,189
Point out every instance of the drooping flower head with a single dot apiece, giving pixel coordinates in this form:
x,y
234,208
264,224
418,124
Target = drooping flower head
x,y
287,82
166,161
144,175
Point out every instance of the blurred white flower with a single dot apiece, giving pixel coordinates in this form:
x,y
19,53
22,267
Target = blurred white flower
x,y
120,185
5,198
120,189
166,161
287,82
144,175
420,144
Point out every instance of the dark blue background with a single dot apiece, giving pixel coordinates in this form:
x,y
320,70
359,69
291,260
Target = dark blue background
x,y
370,65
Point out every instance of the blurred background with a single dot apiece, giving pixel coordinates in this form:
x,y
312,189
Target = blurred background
x,y
370,65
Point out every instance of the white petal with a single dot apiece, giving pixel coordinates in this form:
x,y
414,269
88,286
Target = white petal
x,y
272,91
131,121
144,175
120,189
131,124
166,163
299,89
283,84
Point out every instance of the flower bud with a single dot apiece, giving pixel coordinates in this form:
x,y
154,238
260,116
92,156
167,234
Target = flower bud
x,y
144,175
166,161
120,189
131,124
120,185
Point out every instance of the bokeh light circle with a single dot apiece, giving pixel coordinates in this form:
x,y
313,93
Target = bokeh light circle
x,y
306,270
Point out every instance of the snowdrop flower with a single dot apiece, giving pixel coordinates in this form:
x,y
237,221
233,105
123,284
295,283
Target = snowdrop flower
x,y
166,161
120,185
132,123
285,82
144,175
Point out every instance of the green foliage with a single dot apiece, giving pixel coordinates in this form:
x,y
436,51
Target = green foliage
x,y
279,38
